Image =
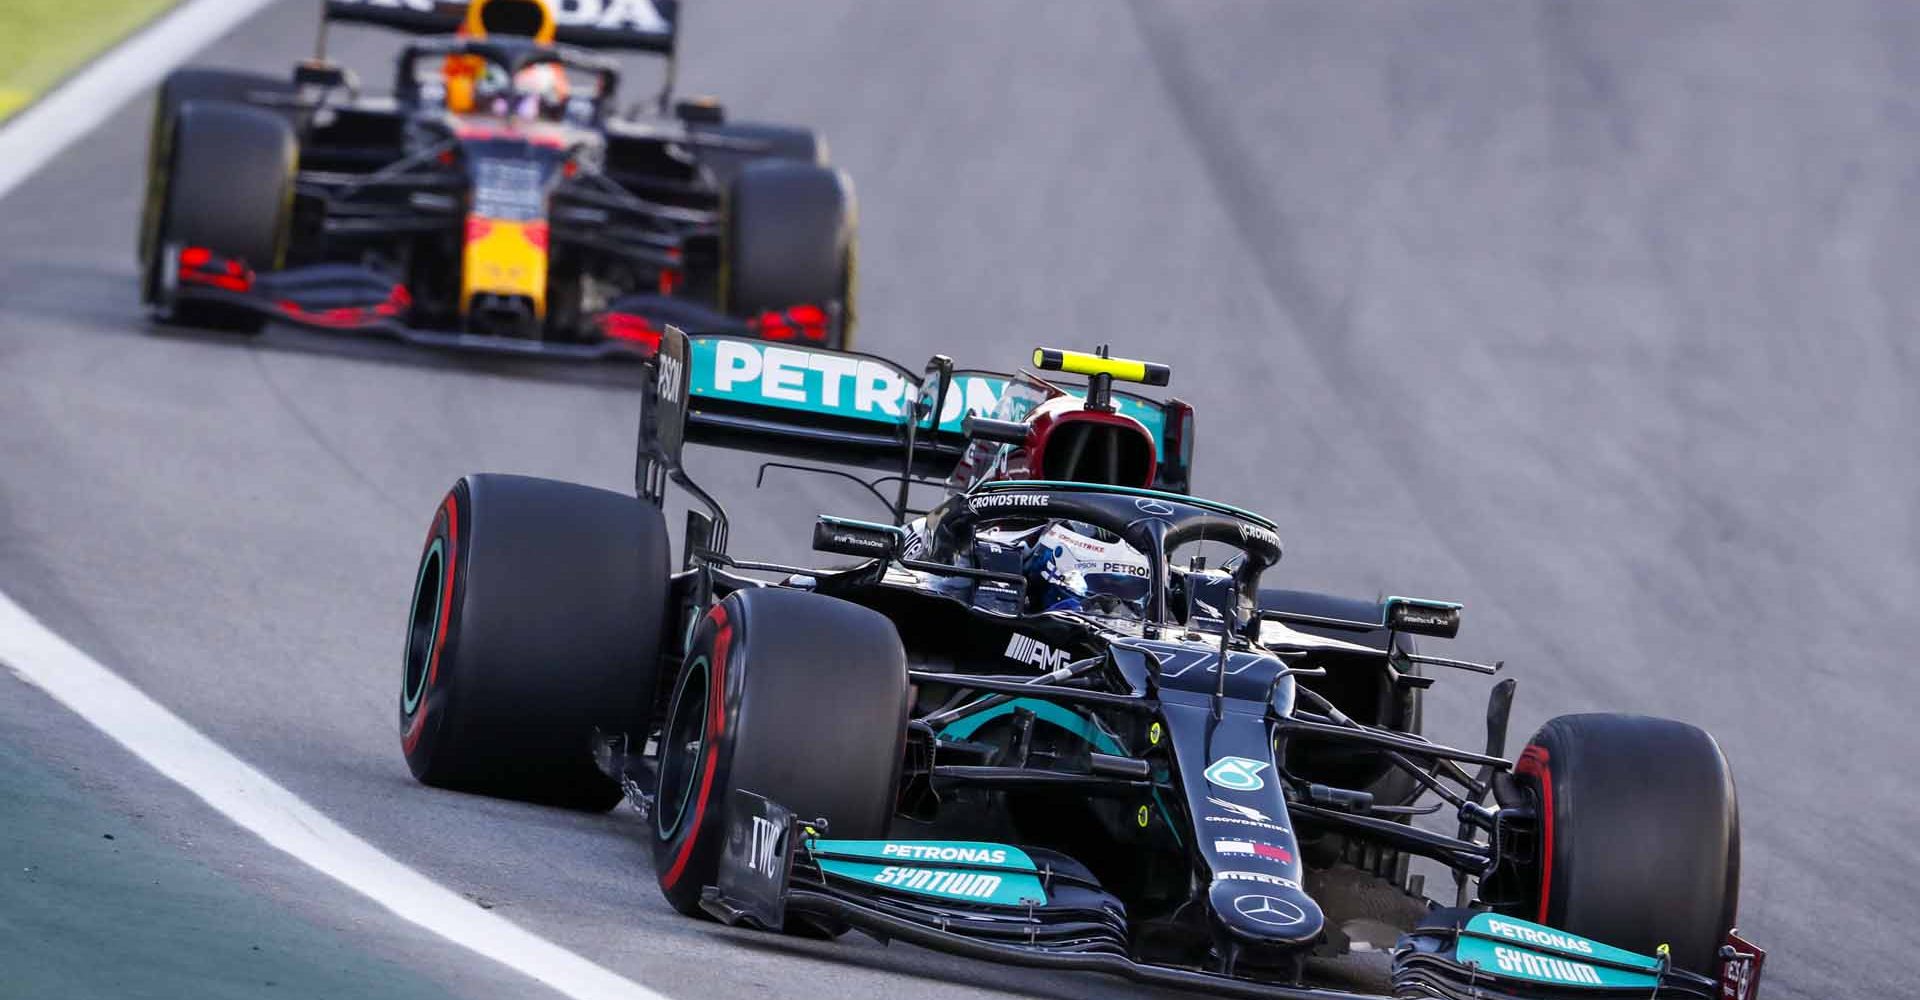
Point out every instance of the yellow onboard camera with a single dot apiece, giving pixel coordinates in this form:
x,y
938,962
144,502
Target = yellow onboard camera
x,y
1082,363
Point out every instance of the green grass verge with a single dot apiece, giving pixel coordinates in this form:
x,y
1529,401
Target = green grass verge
x,y
41,41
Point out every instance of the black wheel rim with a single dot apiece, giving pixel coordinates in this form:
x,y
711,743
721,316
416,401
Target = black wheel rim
x,y
423,627
682,748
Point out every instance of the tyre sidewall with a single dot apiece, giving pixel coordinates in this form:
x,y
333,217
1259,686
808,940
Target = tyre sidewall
x,y
422,715
688,843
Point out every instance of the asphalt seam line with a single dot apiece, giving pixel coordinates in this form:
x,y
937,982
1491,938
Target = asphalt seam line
x,y
166,742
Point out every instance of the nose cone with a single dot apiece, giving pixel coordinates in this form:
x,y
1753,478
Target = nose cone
x,y
1265,909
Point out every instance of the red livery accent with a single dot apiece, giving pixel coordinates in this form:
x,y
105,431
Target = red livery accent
x,y
419,723
716,725
1740,971
1534,761
201,266
793,322
348,317
630,327
1052,416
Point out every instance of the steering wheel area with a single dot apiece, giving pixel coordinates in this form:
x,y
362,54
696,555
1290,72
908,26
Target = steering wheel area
x,y
1153,522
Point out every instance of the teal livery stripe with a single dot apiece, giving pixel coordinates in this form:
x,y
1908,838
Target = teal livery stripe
x,y
1046,711
1520,949
913,866
853,386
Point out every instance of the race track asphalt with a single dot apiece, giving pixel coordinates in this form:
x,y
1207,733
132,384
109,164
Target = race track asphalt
x,y
1596,317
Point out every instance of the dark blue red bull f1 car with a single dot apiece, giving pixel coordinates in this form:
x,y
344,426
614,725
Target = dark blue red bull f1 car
x,y
499,199
1031,723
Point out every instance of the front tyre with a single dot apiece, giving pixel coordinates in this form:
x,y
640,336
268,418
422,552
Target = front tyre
x,y
536,618
227,185
196,84
790,239
794,696
1639,834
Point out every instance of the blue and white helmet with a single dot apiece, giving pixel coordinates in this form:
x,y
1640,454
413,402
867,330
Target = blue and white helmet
x,y
1070,570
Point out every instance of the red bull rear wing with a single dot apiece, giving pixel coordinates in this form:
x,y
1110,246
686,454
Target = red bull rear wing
x,y
626,25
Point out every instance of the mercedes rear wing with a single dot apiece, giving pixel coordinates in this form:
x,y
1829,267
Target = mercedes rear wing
x,y
838,407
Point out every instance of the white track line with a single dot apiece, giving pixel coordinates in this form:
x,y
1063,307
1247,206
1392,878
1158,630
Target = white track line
x,y
164,740
79,105
281,818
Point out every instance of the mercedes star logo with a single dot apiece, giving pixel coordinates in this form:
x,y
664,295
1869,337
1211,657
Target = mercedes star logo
x,y
1149,506
1268,910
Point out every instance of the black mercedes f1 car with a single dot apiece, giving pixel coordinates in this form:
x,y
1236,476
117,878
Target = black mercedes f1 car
x,y
1031,723
499,199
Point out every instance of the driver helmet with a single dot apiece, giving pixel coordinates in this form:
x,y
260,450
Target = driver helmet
x,y
1070,567
464,77
540,91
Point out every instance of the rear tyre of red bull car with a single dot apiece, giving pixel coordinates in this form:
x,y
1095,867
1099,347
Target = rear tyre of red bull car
x,y
796,697
536,619
224,194
1639,835
789,252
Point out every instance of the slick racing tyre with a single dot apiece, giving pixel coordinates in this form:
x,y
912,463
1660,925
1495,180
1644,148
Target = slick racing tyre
x,y
536,617
1639,834
227,186
794,696
181,86
790,240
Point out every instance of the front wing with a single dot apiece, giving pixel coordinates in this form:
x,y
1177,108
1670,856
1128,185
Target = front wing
x,y
1002,904
346,299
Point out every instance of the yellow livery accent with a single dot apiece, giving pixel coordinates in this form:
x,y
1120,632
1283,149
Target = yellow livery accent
x,y
1082,363
505,258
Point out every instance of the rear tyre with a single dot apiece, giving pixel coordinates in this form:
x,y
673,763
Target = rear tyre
x,y
227,186
790,240
536,618
794,696
1640,834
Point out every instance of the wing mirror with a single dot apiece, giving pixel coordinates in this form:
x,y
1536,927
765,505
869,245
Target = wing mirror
x,y
701,110
979,428
864,539
1418,617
